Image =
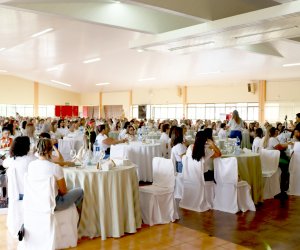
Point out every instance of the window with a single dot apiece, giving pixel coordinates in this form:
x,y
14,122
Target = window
x,y
46,110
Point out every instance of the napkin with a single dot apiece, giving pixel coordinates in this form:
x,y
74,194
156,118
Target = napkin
x,y
121,162
108,165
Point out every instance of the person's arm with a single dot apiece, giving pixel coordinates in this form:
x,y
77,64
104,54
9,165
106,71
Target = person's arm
x,y
217,152
112,141
62,187
59,157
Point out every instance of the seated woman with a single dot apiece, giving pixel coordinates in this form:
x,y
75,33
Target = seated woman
x,y
6,141
123,131
257,140
104,141
178,147
19,160
130,136
205,149
43,166
272,143
56,156
222,132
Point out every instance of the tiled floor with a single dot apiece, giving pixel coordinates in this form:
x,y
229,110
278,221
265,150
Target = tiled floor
x,y
274,225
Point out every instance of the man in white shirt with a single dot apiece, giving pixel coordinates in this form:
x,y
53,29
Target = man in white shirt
x,y
222,132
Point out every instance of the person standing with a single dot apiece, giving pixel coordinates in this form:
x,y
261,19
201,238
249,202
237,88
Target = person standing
x,y
236,125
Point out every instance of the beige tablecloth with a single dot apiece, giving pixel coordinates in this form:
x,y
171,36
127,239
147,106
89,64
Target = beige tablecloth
x,y
111,205
249,169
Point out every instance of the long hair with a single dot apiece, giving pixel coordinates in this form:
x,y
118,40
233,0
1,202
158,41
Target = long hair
x,y
236,117
20,146
176,136
199,146
270,133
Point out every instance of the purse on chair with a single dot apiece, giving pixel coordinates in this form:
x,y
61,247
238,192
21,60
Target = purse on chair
x,y
21,233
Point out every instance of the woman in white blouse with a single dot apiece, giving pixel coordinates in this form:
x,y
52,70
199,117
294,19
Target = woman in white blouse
x,y
178,147
256,145
236,125
130,136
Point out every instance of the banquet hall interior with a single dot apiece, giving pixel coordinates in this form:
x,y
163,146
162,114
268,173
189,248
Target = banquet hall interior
x,y
97,65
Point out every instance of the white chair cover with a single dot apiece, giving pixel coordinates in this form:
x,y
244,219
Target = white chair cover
x,y
118,151
193,197
270,171
64,147
157,200
15,206
45,229
296,147
230,195
294,168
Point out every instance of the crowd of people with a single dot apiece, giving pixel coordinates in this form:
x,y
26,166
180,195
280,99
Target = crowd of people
x,y
32,143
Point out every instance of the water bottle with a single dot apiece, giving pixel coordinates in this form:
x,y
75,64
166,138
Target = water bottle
x,y
96,151
237,146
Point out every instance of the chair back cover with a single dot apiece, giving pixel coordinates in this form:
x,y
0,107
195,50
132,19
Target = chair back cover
x,y
64,147
226,170
296,146
294,168
163,172
269,160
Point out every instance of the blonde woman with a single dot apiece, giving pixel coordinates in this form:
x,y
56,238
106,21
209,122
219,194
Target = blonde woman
x,y
236,125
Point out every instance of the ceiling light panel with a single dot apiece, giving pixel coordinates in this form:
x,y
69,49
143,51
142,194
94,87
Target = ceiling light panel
x,y
102,83
61,83
93,60
42,32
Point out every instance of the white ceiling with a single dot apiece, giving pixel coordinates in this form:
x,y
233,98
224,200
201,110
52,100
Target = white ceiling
x,y
209,37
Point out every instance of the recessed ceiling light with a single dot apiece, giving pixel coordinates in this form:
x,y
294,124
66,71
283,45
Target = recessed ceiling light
x,y
1,49
117,1
3,71
92,60
52,69
147,79
102,83
140,50
42,32
211,72
291,64
61,83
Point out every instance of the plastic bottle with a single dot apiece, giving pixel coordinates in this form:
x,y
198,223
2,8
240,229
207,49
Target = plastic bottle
x,y
96,151
237,146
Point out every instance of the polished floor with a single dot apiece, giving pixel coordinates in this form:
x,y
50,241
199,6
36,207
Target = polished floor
x,y
275,225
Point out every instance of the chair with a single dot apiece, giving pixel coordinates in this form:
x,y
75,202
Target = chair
x,y
44,228
197,193
15,206
271,172
64,147
118,151
294,168
230,195
157,200
296,147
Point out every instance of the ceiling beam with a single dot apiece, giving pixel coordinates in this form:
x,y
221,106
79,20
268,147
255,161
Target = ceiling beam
x,y
263,49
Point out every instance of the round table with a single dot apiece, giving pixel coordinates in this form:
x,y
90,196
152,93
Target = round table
x,y
111,205
140,154
249,169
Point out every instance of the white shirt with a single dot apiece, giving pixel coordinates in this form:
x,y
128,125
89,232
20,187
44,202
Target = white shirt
x,y
21,165
256,144
222,134
130,137
122,134
177,151
63,131
164,138
234,126
283,137
100,138
41,168
272,143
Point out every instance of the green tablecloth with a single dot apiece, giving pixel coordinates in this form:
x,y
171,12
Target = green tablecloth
x,y
111,205
249,169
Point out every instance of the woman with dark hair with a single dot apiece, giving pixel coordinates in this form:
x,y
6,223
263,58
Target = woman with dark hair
x,y
124,130
130,134
104,141
178,147
256,145
19,161
236,125
43,166
205,149
61,127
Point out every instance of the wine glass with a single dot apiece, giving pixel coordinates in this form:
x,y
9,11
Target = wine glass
x,y
101,155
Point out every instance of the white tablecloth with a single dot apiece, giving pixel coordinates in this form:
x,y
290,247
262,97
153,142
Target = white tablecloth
x,y
139,153
111,205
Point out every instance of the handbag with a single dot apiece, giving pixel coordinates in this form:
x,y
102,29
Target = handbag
x,y
21,233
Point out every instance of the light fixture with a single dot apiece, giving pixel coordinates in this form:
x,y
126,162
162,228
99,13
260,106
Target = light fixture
x,y
291,64
191,46
266,32
147,79
210,72
3,71
102,83
117,1
140,50
42,32
92,60
52,69
1,49
61,83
